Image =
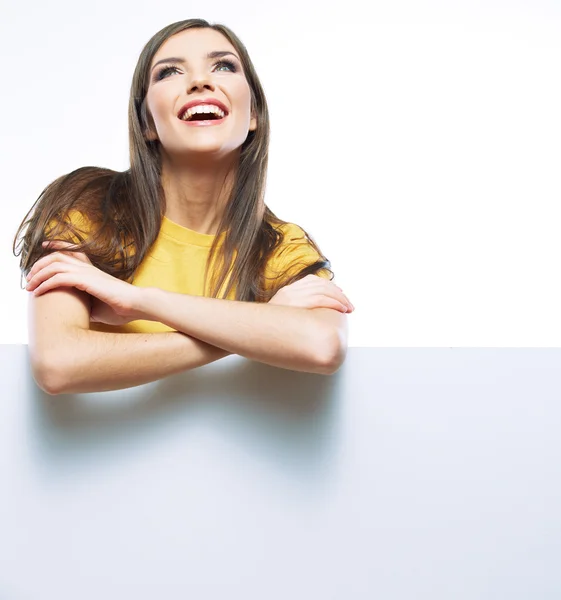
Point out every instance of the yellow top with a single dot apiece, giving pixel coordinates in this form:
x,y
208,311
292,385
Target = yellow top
x,y
177,259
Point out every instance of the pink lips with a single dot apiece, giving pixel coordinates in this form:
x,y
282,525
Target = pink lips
x,y
206,122
214,101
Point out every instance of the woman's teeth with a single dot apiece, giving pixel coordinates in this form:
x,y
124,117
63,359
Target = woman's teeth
x,y
203,108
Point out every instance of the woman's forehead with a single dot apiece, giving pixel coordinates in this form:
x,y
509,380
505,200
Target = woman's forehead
x,y
193,44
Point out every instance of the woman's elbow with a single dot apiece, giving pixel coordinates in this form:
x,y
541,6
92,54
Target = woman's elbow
x,y
336,358
332,351
49,377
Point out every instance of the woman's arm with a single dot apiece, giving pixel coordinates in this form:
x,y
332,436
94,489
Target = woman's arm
x,y
66,357
301,339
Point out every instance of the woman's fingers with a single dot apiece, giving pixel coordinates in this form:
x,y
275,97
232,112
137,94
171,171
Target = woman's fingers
x,y
43,262
331,289
57,280
326,283
70,257
349,303
329,302
342,296
326,288
47,271
47,260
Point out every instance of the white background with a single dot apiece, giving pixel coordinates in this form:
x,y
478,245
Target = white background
x,y
417,142
411,474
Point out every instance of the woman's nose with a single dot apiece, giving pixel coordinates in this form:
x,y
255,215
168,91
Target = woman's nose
x,y
201,83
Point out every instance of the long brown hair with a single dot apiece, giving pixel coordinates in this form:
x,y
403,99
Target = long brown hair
x,y
127,207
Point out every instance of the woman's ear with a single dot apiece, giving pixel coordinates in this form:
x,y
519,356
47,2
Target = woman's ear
x,y
253,122
150,134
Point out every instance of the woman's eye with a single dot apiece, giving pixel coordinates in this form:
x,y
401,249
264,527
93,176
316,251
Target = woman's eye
x,y
226,63
164,72
221,63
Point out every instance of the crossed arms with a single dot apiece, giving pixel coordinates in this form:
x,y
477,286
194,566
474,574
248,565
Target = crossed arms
x,y
67,357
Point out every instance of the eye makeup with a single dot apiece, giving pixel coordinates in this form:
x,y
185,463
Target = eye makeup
x,y
162,73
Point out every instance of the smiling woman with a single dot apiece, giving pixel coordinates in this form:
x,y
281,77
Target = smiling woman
x,y
180,250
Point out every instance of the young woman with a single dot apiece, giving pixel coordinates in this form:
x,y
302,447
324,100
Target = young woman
x,y
107,253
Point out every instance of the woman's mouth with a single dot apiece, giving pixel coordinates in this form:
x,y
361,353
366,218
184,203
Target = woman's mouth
x,y
205,122
203,112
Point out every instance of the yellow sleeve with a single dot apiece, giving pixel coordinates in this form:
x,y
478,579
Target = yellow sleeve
x,y
292,256
77,219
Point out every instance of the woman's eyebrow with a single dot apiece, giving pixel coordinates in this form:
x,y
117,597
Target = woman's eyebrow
x,y
175,59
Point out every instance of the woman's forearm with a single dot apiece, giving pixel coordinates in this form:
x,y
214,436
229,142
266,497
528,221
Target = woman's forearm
x,y
282,336
94,361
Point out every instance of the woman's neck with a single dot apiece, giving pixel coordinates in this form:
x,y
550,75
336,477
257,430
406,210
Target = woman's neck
x,y
197,195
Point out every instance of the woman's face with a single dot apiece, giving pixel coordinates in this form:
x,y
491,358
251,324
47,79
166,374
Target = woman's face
x,y
173,84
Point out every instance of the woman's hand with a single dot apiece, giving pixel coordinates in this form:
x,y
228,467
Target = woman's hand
x,y
104,313
113,301
313,291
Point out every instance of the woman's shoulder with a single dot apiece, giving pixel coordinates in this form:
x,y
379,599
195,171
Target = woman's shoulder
x,y
81,219
78,220
291,232
296,250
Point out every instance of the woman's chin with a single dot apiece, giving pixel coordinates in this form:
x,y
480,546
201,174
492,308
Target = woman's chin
x,y
203,152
